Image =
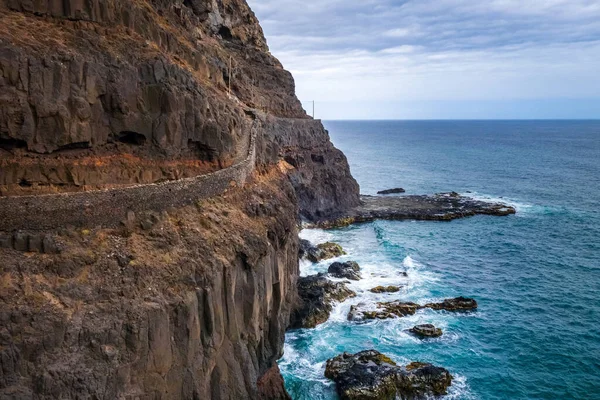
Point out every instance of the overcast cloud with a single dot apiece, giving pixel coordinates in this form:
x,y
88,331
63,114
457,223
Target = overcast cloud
x,y
440,58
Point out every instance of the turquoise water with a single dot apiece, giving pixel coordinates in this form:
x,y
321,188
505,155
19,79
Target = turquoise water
x,y
536,275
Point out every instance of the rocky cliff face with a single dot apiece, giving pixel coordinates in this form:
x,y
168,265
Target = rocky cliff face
x,y
194,305
186,304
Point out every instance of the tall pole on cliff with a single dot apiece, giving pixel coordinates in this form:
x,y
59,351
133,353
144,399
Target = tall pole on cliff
x,y
313,109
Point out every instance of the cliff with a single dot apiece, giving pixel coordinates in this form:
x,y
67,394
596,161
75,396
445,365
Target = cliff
x,y
166,295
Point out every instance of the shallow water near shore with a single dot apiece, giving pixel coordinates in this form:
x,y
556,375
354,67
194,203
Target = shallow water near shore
x,y
535,275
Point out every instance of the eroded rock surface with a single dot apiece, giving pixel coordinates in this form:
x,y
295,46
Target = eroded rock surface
x,y
456,304
426,331
392,191
437,207
392,309
317,295
395,309
322,251
345,270
385,289
372,375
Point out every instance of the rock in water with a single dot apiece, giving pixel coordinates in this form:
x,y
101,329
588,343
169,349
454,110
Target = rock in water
x,y
386,310
392,191
425,331
372,375
323,251
456,304
317,294
348,270
385,289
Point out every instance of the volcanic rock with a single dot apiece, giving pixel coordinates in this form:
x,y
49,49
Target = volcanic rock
x,y
392,191
372,375
437,207
385,289
348,270
392,309
317,294
456,304
323,251
425,331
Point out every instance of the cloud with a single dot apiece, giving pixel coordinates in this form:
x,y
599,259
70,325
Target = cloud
x,y
394,50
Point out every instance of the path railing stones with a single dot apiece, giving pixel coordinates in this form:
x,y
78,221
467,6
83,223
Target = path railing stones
x,y
109,207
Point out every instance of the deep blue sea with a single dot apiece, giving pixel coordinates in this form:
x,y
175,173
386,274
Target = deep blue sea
x,y
535,275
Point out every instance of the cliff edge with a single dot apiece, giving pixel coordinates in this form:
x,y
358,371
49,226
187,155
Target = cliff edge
x,y
181,299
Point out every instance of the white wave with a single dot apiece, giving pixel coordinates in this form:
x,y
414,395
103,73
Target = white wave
x,y
316,236
519,206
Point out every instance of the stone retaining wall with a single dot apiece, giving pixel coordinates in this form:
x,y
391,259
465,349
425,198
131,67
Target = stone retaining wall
x,y
108,208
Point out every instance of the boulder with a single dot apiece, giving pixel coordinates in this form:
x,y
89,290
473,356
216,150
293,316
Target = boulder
x,y
323,251
456,304
426,331
348,270
392,309
385,289
392,191
316,297
370,374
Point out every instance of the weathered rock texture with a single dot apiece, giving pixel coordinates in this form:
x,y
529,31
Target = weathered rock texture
x,y
190,304
187,299
372,375
316,295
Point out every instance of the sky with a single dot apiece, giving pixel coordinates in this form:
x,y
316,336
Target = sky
x,y
439,59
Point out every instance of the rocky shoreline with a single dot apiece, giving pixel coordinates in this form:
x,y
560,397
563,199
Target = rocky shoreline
x,y
436,207
369,374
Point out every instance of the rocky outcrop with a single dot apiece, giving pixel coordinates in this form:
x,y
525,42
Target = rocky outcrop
x,y
425,331
318,171
316,297
345,270
320,252
392,309
392,191
437,207
456,304
372,375
396,309
385,289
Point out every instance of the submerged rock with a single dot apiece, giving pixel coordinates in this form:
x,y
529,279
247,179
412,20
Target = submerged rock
x,y
372,375
425,331
317,294
348,270
392,191
323,251
386,310
385,289
456,304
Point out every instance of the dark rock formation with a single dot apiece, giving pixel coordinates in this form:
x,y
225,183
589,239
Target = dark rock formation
x,y
318,171
456,304
392,309
192,304
438,207
323,251
392,191
348,270
317,294
372,375
426,331
385,289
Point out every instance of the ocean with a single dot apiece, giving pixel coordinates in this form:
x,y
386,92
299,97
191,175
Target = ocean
x,y
535,275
